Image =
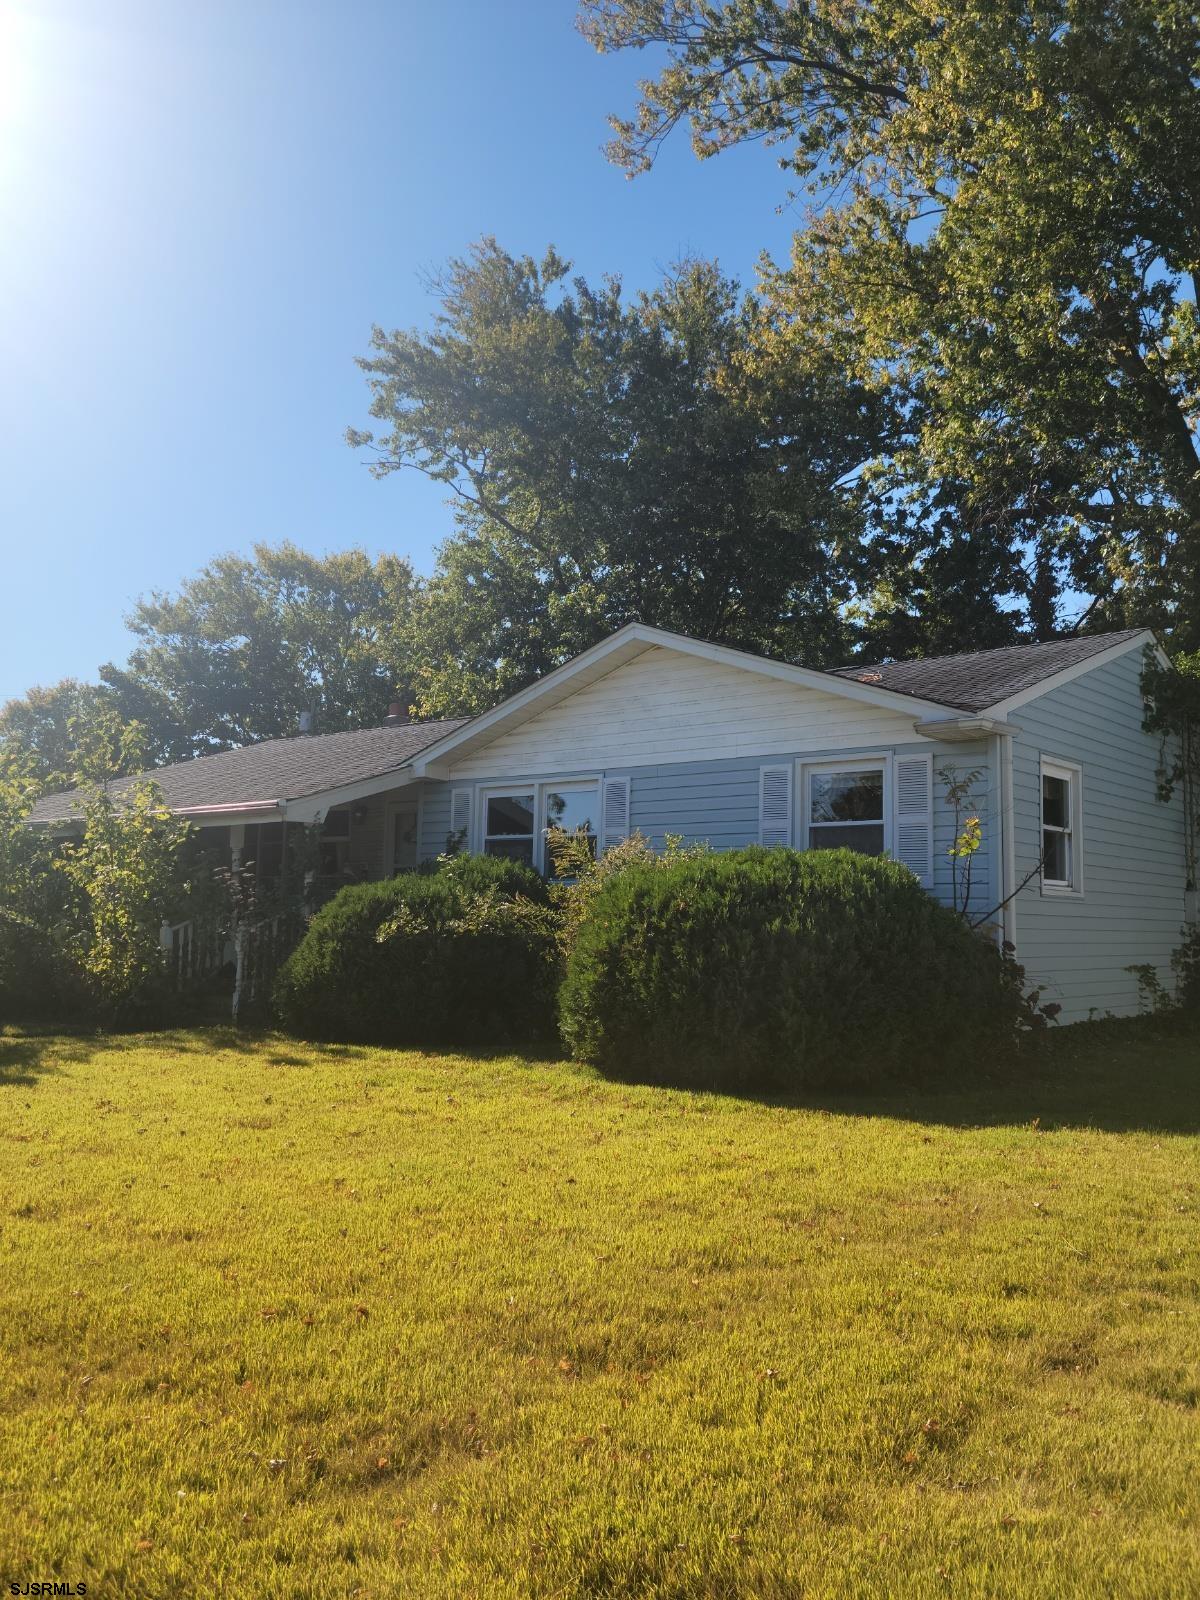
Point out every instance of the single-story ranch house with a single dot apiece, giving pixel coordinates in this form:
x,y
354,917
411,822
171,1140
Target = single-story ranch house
x,y
663,734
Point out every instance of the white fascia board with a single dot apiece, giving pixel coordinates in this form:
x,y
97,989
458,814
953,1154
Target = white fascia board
x,y
311,808
963,730
1069,674
233,813
629,642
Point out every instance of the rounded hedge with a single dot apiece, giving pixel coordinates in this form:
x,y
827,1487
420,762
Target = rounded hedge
x,y
772,969
425,960
479,874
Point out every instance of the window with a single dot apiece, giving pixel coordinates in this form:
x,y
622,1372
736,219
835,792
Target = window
x,y
508,826
572,808
1061,789
845,809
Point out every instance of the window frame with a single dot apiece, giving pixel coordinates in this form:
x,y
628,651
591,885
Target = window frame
x,y
539,787
881,763
1070,772
509,791
563,786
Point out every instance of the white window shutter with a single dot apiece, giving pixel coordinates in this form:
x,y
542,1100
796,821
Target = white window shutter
x,y
614,812
914,815
460,817
775,805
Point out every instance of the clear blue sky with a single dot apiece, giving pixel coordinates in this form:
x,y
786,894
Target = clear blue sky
x,y
203,209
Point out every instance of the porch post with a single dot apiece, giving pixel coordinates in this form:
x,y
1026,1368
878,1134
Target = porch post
x,y
237,843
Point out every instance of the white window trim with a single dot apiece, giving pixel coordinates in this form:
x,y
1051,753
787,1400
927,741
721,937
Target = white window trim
x,y
1072,772
494,790
539,787
857,763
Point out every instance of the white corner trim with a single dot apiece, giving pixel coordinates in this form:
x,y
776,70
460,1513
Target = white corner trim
x,y
1003,756
1069,674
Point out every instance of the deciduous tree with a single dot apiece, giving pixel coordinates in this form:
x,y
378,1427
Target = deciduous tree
x,y
1004,239
613,459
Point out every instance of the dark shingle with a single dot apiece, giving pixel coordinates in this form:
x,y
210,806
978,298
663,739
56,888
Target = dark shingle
x,y
277,769
981,678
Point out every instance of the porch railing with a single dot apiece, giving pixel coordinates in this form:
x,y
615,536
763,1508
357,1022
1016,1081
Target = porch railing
x,y
261,948
194,951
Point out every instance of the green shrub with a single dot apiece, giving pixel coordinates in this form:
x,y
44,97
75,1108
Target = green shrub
x,y
1185,964
424,960
480,874
773,969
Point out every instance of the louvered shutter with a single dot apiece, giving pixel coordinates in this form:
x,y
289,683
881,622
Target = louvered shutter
x,y
460,817
775,805
914,815
614,812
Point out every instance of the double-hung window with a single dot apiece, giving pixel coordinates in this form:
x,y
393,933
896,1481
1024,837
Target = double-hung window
x,y
845,808
1061,797
508,826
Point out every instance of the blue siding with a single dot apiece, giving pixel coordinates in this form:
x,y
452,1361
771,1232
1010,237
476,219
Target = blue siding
x,y
1132,906
435,819
716,802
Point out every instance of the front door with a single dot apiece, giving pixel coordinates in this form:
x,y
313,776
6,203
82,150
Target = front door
x,y
402,837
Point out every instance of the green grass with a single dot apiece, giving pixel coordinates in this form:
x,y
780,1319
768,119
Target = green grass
x,y
281,1320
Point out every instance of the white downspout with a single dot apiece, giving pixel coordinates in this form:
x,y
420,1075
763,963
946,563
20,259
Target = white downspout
x,y
1008,847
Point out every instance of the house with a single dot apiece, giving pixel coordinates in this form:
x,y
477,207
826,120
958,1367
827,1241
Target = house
x,y
1082,866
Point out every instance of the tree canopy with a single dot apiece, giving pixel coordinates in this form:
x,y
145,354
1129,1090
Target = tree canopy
x,y
614,459
1003,241
236,655
252,641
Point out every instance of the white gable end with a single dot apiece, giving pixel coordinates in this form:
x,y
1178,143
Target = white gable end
x,y
666,706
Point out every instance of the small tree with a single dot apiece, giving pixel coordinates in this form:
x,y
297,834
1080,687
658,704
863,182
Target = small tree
x,y
968,833
125,871
31,919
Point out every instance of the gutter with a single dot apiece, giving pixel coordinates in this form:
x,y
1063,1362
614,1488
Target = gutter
x,y
248,810
229,808
1003,758
961,730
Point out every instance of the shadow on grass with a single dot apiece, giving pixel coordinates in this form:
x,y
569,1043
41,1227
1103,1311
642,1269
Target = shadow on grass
x,y
1133,1075
30,1055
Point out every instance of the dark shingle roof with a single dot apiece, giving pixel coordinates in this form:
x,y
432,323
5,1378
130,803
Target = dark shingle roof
x,y
277,769
981,678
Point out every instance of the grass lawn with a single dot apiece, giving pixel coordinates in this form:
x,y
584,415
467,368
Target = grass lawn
x,y
284,1320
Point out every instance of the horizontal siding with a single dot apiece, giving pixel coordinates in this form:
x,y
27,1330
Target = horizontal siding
x,y
663,706
435,819
715,802
1079,948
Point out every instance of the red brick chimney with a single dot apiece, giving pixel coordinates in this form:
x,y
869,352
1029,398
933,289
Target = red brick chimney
x,y
397,714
